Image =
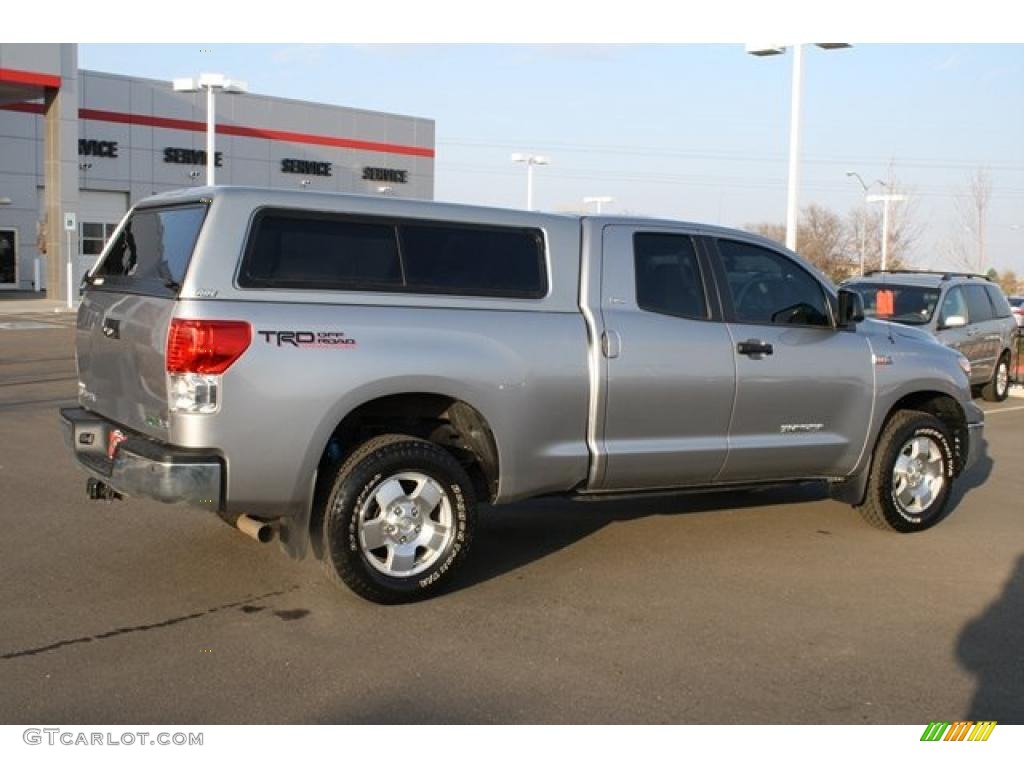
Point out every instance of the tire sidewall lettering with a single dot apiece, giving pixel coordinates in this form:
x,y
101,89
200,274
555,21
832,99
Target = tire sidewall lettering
x,y
947,472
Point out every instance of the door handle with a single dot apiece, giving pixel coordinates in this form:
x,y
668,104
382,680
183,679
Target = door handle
x,y
754,348
611,344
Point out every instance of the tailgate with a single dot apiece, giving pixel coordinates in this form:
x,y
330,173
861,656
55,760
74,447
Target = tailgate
x,y
122,324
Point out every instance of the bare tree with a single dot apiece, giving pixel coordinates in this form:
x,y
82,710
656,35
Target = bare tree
x,y
825,242
776,232
965,245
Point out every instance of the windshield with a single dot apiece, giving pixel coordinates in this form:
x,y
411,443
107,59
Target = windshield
x,y
907,304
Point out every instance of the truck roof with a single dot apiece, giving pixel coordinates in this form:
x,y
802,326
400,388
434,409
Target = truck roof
x,y
402,206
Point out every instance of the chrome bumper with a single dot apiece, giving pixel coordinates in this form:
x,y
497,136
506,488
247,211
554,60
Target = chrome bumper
x,y
141,467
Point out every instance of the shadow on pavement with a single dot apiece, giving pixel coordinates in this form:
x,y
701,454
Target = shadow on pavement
x,y
511,536
972,478
992,648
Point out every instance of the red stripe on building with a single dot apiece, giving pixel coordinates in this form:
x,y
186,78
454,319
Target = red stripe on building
x,y
25,106
254,133
22,77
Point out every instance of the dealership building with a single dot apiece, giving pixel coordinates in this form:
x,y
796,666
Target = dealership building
x,y
78,148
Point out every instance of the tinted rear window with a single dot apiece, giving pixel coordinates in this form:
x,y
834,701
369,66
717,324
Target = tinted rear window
x,y
979,308
151,254
323,252
298,252
668,277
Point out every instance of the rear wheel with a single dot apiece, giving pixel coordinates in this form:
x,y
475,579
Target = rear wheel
x,y
399,519
999,387
911,474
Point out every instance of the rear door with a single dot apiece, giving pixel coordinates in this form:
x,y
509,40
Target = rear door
x,y
669,373
982,330
125,313
804,389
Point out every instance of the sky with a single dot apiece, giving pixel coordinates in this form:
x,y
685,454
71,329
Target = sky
x,y
697,132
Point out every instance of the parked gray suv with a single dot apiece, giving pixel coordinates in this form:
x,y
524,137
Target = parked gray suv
x,y
353,374
966,312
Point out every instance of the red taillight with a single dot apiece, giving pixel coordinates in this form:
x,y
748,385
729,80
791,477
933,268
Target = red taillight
x,y
206,346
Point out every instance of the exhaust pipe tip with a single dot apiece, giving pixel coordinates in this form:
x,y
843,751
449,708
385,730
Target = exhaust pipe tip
x,y
260,530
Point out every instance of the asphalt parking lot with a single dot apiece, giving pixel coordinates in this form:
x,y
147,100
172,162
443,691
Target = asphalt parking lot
x,y
777,606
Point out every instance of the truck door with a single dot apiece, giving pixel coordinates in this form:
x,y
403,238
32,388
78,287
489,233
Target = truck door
x,y
668,369
804,389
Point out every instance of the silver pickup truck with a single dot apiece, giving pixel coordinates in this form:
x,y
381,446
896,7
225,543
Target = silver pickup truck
x,y
354,374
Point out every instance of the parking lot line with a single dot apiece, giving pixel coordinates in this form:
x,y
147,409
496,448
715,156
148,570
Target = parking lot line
x,y
1004,410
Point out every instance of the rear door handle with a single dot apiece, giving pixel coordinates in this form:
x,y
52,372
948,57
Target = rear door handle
x,y
611,344
754,347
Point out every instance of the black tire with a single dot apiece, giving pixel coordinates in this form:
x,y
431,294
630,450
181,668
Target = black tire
x,y
355,494
995,392
881,507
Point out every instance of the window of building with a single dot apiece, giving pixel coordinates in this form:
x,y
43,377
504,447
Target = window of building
x,y
94,236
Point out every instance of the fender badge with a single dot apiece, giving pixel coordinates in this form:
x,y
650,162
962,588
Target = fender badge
x,y
881,359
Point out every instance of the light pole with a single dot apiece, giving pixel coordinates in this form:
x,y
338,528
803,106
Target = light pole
x,y
598,201
211,82
793,186
863,220
885,200
530,161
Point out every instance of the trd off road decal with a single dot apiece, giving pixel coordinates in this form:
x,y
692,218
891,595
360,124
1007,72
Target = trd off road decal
x,y
308,339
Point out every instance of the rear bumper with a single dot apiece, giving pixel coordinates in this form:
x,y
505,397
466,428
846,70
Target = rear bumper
x,y
142,467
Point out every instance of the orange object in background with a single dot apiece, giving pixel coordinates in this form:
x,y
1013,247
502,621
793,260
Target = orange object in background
x,y
884,302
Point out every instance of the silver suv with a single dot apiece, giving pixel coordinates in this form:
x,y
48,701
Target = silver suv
x,y
966,312
352,374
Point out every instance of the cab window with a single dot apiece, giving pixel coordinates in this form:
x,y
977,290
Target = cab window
x,y
770,288
668,276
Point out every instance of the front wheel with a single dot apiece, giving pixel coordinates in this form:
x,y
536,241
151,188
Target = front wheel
x,y
999,387
399,519
911,474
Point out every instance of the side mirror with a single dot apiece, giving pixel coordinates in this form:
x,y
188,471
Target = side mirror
x,y
851,308
955,321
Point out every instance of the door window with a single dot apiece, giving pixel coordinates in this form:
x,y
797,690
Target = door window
x,y
979,308
999,302
668,277
769,288
953,304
